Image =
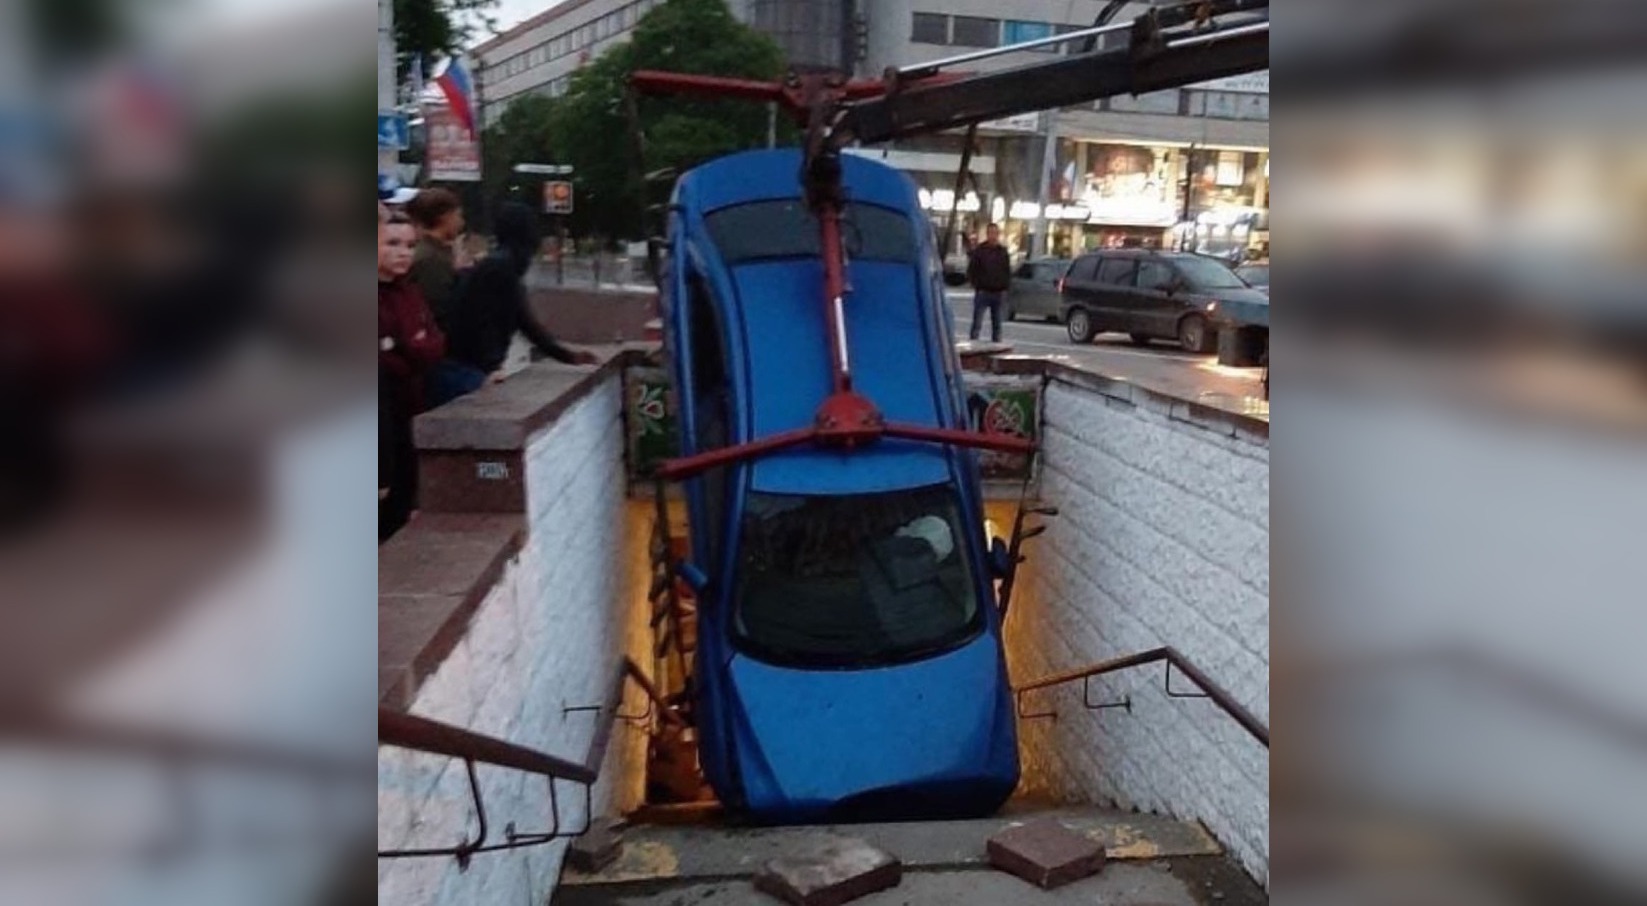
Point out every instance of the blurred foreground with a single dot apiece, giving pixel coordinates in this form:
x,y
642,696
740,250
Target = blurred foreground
x,y
186,415
1460,480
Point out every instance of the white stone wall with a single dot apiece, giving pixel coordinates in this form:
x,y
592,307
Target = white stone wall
x,y
1163,539
547,637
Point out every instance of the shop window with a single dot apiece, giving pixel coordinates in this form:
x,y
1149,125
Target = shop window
x,y
929,28
971,31
1230,171
1015,32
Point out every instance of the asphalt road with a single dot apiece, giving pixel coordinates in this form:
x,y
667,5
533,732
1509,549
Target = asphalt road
x,y
1161,365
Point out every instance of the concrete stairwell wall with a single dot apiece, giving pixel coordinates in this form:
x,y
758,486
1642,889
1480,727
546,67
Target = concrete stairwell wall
x,y
1163,539
503,604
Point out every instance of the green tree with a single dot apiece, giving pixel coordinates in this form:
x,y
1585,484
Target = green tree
x,y
523,133
437,28
590,129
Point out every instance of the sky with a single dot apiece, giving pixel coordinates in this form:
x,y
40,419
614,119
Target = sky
x,y
513,12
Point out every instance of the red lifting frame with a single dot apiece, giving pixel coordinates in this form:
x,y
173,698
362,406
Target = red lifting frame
x,y
845,419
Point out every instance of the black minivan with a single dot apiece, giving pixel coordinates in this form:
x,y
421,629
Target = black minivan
x,y
1150,295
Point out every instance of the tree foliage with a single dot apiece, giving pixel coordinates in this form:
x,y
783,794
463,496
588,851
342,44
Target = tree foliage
x,y
589,127
437,28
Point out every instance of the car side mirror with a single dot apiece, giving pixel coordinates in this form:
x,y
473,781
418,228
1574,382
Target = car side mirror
x,y
1000,559
694,577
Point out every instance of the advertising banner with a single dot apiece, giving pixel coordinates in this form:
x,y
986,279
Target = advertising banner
x,y
454,154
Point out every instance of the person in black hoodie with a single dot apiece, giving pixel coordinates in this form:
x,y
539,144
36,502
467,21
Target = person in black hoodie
x,y
491,306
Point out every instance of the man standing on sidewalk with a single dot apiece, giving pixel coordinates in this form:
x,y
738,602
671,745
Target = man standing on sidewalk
x,y
990,271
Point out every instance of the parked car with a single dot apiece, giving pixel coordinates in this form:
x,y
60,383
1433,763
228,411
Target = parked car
x,y
1149,295
1257,275
1035,289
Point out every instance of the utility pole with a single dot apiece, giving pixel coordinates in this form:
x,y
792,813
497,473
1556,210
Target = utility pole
x,y
1049,137
388,159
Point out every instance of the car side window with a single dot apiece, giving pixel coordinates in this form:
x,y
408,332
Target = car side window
x,y
1155,275
1116,272
1085,269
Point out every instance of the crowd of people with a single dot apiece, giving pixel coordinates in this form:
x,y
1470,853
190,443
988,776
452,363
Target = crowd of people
x,y
444,323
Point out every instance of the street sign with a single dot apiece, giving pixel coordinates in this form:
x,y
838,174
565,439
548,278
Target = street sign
x,y
557,197
545,169
392,131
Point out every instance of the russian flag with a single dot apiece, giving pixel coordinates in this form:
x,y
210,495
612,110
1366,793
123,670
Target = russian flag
x,y
454,82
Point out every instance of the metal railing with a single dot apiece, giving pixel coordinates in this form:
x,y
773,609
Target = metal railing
x,y
409,731
1209,689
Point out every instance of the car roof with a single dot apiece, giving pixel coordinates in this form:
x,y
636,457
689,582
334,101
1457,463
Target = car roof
x,y
788,370
765,175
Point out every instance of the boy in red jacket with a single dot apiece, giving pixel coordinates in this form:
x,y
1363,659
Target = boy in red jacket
x,y
409,345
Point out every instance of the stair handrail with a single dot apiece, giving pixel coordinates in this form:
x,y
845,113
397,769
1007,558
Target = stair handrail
x,y
421,734
1173,658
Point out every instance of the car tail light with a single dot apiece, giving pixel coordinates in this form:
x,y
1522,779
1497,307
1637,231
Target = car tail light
x,y
1060,284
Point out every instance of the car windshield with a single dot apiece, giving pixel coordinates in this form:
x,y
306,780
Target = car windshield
x,y
854,580
1203,273
1256,276
784,228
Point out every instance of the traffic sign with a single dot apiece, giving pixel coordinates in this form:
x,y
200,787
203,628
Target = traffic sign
x,y
545,169
557,197
393,131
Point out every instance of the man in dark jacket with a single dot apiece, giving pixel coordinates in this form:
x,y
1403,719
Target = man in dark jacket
x,y
490,306
990,271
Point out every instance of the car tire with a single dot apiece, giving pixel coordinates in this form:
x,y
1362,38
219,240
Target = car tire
x,y
1079,326
1139,339
1194,335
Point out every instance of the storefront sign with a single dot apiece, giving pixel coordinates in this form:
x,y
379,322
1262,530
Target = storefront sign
x,y
942,199
1023,122
1250,83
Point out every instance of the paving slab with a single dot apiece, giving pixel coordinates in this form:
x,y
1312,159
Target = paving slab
x,y
670,853
1045,853
1128,884
837,872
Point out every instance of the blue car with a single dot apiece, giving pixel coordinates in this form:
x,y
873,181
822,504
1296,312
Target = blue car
x,y
849,662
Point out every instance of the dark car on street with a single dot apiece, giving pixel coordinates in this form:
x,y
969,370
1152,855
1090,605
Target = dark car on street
x,y
1151,295
1256,274
1035,289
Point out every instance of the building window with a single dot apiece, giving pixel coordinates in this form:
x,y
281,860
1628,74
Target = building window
x,y
1014,32
974,32
930,28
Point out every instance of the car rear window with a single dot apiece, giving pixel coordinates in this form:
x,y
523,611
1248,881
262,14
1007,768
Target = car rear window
x,y
784,228
853,581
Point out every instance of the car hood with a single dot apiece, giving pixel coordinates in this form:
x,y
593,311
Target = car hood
x,y
810,739
1243,294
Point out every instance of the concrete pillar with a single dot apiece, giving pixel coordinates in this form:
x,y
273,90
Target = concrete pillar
x,y
388,160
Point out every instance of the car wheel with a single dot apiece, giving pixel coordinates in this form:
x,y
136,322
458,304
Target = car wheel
x,y
1193,334
1080,326
1140,339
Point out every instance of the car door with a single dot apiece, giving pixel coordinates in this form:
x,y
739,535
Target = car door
x,y
1155,305
1035,289
1113,298
1081,285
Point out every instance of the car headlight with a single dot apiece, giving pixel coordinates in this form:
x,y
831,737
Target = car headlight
x,y
1212,306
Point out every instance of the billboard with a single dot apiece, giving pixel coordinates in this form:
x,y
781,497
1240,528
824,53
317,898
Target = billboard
x,y
454,154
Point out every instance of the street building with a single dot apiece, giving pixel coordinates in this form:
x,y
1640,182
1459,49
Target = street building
x,y
1183,168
